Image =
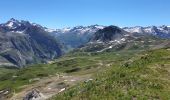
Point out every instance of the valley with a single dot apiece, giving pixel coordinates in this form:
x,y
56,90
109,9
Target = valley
x,y
94,62
70,70
76,74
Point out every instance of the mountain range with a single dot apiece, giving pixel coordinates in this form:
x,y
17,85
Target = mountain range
x,y
159,31
23,43
77,36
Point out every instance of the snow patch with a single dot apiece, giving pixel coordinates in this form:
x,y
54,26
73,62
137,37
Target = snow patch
x,y
134,29
123,39
99,27
50,30
117,41
65,30
112,41
18,32
110,47
148,30
126,35
98,41
10,24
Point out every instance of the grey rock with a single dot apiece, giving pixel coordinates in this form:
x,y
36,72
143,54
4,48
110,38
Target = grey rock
x,y
34,95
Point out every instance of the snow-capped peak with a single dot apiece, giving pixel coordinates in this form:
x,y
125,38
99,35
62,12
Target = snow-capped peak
x,y
137,29
99,26
13,23
160,31
19,26
65,29
10,24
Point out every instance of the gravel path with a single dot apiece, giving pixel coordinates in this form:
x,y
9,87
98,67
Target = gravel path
x,y
49,86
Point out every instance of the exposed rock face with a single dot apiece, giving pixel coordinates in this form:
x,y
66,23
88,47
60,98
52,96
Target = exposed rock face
x,y
23,43
4,93
34,95
108,34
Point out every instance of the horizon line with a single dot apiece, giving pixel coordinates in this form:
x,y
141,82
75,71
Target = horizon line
x,y
78,25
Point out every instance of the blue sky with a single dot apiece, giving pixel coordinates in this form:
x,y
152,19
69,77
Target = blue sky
x,y
69,13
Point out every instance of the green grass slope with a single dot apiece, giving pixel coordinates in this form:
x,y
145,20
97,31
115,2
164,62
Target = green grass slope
x,y
126,74
71,64
144,76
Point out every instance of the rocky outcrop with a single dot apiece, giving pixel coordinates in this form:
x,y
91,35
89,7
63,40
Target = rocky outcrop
x,y
34,95
108,34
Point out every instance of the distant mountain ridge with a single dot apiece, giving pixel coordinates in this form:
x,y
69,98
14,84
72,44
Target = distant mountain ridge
x,y
80,35
159,31
76,36
113,38
14,25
